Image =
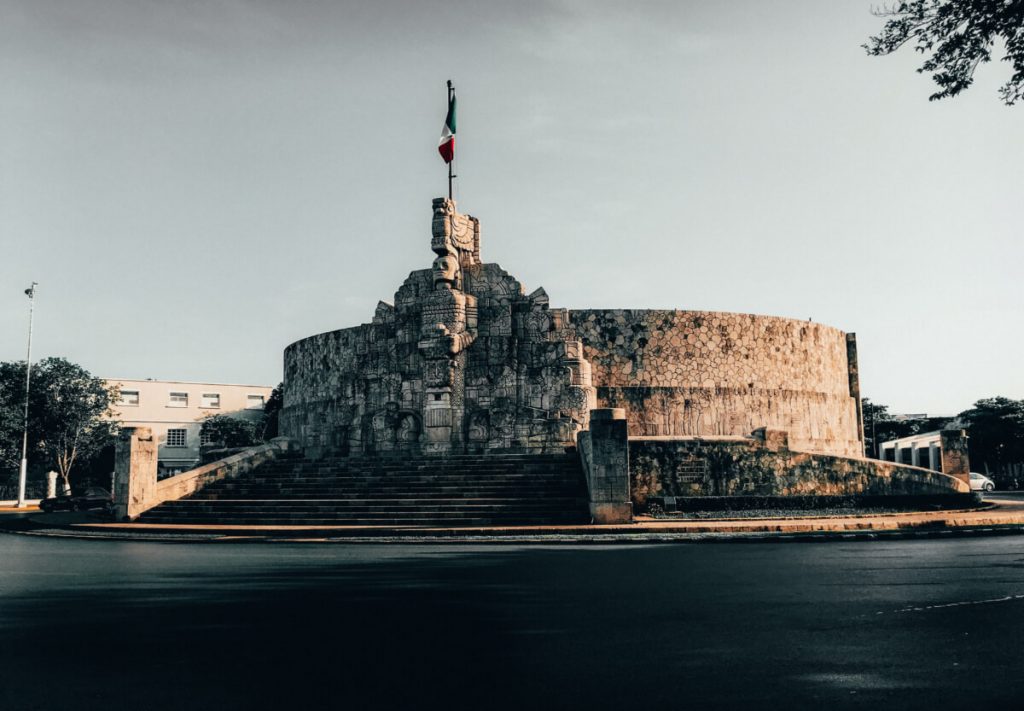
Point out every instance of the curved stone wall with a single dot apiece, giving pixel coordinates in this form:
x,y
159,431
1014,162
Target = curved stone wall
x,y
694,466
699,373
465,360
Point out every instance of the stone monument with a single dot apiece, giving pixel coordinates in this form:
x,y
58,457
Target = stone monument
x,y
465,361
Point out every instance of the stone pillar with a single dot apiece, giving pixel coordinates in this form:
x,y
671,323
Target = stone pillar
x,y
51,484
608,474
853,370
135,463
954,455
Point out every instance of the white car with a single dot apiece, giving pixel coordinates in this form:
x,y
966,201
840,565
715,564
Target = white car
x,y
980,482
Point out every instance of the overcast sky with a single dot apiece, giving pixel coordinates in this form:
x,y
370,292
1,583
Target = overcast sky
x,y
195,185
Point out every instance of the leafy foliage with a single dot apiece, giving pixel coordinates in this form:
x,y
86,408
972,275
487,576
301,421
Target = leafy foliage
x,y
244,431
956,36
881,426
272,412
68,416
229,431
996,444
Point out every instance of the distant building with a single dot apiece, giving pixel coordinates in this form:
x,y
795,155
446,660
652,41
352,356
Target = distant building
x,y
174,410
919,450
915,416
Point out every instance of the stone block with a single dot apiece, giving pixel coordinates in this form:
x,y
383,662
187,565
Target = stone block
x,y
135,465
955,460
605,453
771,439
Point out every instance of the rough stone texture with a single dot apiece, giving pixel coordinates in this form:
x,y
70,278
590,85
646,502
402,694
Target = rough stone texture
x,y
604,450
135,471
955,461
135,463
186,483
738,466
464,361
693,373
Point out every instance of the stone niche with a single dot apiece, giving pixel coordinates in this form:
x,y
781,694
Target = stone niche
x,y
463,361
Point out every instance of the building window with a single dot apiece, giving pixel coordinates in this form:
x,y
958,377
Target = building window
x,y
205,438
176,438
211,400
178,400
254,402
129,398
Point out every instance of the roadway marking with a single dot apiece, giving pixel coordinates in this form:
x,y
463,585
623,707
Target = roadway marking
x,y
965,603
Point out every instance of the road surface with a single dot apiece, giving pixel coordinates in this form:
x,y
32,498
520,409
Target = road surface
x,y
927,624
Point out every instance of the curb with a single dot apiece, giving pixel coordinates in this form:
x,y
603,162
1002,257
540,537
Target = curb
x,y
991,518
549,539
511,537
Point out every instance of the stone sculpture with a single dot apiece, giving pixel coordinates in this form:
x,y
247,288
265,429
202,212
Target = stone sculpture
x,y
464,360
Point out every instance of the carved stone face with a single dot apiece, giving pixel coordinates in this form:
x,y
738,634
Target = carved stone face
x,y
446,268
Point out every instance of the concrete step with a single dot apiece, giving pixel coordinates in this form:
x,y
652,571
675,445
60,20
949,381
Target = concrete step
x,y
464,490
567,519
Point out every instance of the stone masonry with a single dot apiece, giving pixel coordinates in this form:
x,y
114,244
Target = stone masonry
x,y
465,361
699,373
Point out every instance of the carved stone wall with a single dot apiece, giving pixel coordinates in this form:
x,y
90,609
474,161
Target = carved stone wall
x,y
699,373
465,361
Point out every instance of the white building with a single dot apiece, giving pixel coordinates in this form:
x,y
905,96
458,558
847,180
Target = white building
x,y
174,410
920,450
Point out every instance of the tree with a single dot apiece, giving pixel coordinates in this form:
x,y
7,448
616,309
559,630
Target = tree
x,y
956,36
68,419
228,431
881,426
272,412
996,429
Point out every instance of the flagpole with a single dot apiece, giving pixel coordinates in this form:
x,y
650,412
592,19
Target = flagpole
x,y
23,473
452,161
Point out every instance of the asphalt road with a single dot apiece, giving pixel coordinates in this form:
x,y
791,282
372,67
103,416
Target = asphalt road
x,y
885,624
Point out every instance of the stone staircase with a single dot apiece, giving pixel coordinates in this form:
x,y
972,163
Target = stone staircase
x,y
456,491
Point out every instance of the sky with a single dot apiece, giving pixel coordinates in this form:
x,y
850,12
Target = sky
x,y
195,184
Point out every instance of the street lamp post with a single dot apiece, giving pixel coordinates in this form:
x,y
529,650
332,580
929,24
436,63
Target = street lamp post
x,y
22,476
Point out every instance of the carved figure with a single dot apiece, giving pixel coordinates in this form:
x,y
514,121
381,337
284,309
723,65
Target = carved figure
x,y
479,426
455,234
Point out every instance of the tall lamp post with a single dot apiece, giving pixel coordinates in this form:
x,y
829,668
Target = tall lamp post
x,y
23,475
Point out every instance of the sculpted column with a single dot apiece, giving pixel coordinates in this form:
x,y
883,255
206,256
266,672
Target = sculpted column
x,y
448,327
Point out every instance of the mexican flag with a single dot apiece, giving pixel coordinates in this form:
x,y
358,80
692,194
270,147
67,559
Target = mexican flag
x,y
446,146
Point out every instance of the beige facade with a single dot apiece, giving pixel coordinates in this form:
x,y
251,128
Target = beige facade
x,y
174,411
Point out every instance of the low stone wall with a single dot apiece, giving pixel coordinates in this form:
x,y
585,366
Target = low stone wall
x,y
137,489
765,466
193,480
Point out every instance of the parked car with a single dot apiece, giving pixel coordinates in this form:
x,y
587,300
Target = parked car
x,y
89,499
980,482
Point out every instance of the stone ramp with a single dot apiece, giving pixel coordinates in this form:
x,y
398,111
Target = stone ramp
x,y
456,491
